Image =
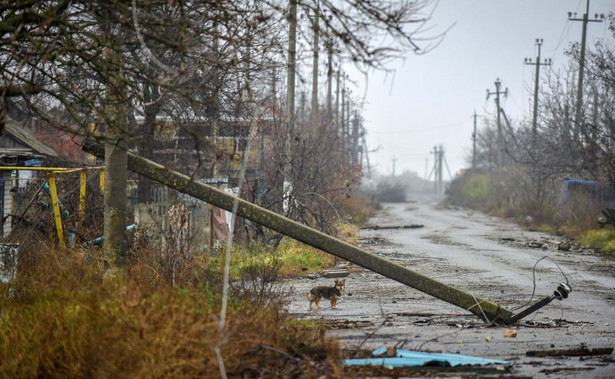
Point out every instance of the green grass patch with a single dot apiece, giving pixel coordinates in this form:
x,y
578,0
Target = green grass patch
x,y
599,239
297,258
290,258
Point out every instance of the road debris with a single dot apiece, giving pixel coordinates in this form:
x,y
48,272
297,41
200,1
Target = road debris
x,y
582,351
609,217
378,227
511,333
564,245
335,273
562,291
408,358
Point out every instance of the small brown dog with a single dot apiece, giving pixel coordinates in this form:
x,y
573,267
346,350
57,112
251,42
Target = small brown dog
x,y
329,293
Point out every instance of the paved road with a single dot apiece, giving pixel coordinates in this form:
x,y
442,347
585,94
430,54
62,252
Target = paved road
x,y
492,259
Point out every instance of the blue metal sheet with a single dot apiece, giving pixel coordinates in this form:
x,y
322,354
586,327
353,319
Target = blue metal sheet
x,y
407,358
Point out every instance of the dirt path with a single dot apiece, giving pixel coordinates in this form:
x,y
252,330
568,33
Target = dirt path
x,y
491,259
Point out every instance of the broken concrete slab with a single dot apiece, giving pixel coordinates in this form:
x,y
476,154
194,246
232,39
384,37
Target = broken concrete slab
x,y
335,273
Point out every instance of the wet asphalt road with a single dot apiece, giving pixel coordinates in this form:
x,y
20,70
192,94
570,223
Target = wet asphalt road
x,y
490,258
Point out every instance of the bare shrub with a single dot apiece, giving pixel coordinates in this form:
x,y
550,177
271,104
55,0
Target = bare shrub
x,y
579,213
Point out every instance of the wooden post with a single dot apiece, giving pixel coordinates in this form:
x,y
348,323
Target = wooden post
x,y
56,208
102,181
82,183
484,309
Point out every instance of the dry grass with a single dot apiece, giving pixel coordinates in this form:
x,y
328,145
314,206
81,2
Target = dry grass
x,y
348,233
61,318
359,207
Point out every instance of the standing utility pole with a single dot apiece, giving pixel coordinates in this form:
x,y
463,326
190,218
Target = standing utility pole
x,y
435,169
329,44
585,20
474,144
343,114
315,115
337,97
440,159
537,63
355,138
394,160
292,68
497,93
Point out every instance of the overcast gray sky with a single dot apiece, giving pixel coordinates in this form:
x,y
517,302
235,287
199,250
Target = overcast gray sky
x,y
430,99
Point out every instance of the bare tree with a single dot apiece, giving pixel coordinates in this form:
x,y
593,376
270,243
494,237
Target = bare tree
x,y
135,70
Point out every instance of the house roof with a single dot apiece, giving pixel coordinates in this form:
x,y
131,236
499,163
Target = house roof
x,y
24,136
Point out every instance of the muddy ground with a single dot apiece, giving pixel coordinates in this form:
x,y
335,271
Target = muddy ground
x,y
490,258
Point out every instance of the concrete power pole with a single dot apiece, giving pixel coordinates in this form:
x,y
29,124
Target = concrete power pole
x,y
500,147
337,97
536,63
435,169
474,144
394,160
343,111
315,113
585,20
292,68
355,137
440,160
290,104
329,82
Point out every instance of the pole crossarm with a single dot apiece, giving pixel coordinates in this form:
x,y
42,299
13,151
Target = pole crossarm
x,y
484,309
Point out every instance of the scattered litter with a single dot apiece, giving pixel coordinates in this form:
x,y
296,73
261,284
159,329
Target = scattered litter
x,y
408,358
373,241
579,352
510,333
335,273
488,339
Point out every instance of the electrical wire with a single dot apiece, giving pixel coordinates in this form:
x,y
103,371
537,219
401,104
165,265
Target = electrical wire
x,y
534,280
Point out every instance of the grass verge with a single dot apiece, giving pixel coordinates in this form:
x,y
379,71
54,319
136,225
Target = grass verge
x,y
602,239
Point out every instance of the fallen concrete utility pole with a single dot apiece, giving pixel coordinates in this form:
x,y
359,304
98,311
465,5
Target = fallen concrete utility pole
x,y
484,309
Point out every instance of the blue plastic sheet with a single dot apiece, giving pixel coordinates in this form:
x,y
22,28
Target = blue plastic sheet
x,y
407,358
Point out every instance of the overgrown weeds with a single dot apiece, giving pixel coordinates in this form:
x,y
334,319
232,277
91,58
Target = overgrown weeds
x,y
62,318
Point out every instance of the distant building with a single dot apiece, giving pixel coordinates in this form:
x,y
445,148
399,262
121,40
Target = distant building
x,y
18,148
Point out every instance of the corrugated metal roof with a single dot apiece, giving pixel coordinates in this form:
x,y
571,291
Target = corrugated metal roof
x,y
23,135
